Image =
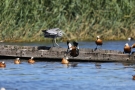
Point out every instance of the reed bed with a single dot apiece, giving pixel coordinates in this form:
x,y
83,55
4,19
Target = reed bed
x,y
24,20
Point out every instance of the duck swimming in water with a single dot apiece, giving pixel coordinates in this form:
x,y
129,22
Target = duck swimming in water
x,y
2,64
133,77
31,61
67,63
17,61
65,60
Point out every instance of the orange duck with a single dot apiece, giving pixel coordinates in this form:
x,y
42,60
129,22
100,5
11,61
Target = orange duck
x,y
31,61
98,42
2,64
17,61
127,48
133,77
73,50
65,60
67,63
133,46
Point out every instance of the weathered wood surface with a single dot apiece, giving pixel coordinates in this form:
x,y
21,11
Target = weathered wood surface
x,y
53,53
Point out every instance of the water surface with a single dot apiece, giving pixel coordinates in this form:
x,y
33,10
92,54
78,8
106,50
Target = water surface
x,y
110,45
56,76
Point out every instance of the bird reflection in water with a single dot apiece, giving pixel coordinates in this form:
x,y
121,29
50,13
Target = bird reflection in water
x,y
71,64
98,65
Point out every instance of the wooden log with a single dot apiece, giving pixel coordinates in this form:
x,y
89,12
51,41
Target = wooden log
x,y
85,54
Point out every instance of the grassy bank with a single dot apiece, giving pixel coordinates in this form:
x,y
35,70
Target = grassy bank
x,y
23,20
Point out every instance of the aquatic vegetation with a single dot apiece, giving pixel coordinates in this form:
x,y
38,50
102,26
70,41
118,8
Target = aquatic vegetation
x,y
24,20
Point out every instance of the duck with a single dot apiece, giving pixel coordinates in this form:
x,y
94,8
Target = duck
x,y
31,61
73,49
65,60
133,45
133,77
67,63
130,38
17,61
2,64
98,42
127,48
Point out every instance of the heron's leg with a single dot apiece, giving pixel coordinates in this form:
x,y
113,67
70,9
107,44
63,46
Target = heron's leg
x,y
55,42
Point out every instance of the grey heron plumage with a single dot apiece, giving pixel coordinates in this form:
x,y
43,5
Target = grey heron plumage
x,y
53,33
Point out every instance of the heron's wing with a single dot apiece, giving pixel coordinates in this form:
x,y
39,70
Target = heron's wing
x,y
53,31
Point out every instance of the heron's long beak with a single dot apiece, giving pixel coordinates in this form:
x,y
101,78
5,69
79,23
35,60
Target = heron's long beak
x,y
66,35
43,30
41,34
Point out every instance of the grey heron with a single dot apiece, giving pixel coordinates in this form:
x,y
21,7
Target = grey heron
x,y
53,33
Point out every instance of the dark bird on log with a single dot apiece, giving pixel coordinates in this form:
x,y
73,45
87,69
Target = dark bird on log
x,y
73,49
53,33
98,42
127,48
